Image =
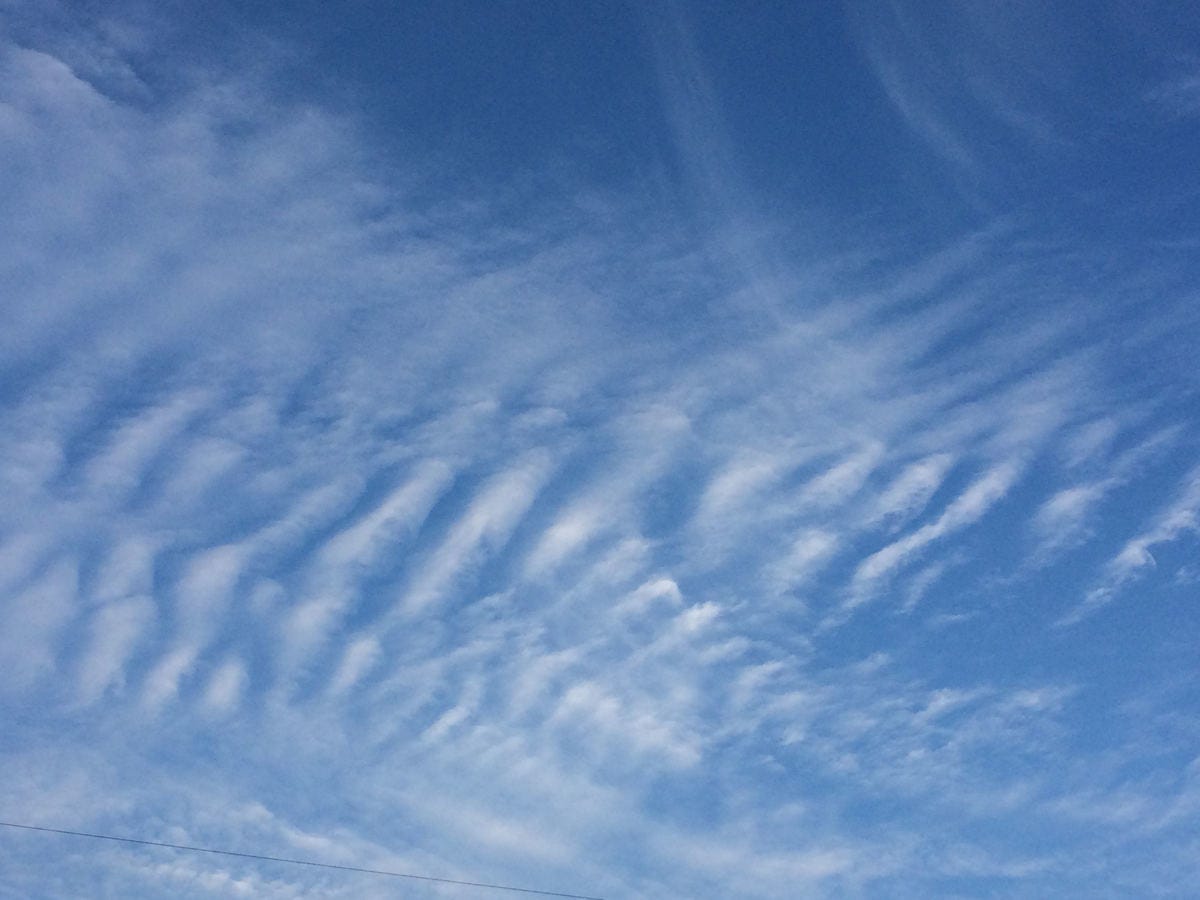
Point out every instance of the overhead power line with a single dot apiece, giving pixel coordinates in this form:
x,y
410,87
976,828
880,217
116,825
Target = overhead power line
x,y
296,862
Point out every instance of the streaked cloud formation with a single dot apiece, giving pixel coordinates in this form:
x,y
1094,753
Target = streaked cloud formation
x,y
636,537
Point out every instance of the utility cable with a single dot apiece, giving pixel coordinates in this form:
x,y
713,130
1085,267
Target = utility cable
x,y
297,862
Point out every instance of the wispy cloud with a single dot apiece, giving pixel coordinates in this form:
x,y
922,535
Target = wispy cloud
x,y
966,509
115,631
517,537
1177,519
1178,96
912,489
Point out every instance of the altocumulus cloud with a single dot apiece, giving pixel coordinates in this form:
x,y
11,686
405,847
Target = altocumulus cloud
x,y
562,542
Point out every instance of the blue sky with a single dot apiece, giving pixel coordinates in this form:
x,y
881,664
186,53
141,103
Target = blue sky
x,y
635,450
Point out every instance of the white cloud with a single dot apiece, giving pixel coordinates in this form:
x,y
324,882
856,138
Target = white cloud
x,y
30,624
225,687
610,725
1178,96
395,517
843,480
646,442
964,510
1061,518
1179,518
484,527
127,571
1090,441
359,657
811,549
738,483
115,631
912,489
432,502
207,585
162,682
121,465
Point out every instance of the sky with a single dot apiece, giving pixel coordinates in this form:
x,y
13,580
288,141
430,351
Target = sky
x,y
634,450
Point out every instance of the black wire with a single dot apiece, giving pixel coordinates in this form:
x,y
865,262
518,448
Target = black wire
x,y
297,862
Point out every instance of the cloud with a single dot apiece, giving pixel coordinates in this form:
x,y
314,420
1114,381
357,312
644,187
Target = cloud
x,y
920,114
1179,96
1068,517
1061,517
31,623
116,629
485,526
913,488
121,465
360,656
508,528
843,480
646,441
1177,519
967,508
811,549
225,687
983,87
